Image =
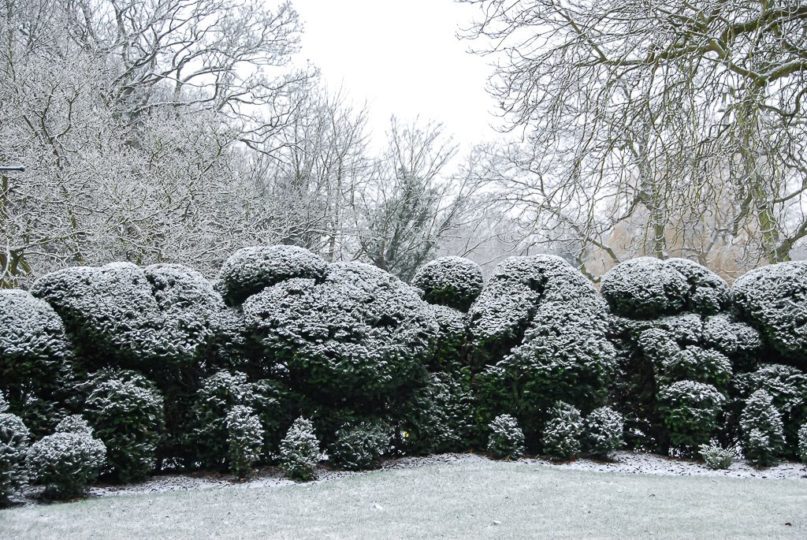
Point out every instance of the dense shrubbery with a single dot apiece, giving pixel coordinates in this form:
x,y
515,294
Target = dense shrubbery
x,y
299,451
802,436
563,432
14,438
541,328
126,412
690,411
244,440
602,432
450,281
762,431
67,461
250,270
360,446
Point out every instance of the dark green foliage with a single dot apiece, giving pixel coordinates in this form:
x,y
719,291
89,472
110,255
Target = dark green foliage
x,y
126,411
299,451
602,432
563,432
244,440
450,344
761,428
505,438
360,446
450,281
690,411
14,438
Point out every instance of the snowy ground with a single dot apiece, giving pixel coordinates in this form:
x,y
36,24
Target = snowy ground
x,y
448,496
623,462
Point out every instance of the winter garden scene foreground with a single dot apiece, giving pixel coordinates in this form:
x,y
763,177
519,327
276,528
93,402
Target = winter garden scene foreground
x,y
433,268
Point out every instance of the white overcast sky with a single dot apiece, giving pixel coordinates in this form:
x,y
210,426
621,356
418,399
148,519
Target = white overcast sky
x,y
402,58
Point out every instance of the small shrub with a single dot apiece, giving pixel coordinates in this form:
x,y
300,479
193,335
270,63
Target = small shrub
x,y
450,281
126,412
690,412
715,456
74,424
66,462
506,440
360,446
299,451
244,440
3,403
803,443
762,430
602,431
14,438
563,432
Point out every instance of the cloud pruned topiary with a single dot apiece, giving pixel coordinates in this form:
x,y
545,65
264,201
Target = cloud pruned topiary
x,y
124,315
359,333
14,438
250,270
450,281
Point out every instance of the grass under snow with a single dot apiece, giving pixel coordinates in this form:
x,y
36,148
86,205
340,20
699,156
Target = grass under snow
x,y
477,498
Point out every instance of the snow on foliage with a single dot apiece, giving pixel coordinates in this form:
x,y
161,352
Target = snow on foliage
x,y
32,339
244,440
360,446
506,440
563,432
140,317
649,287
450,281
774,299
66,462
803,443
715,456
250,270
602,432
14,437
358,332
299,451
74,423
690,411
762,430
450,340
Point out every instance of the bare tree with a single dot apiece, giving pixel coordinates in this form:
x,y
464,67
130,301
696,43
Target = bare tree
x,y
658,116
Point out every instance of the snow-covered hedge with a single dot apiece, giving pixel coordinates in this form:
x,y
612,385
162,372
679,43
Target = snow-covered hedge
x,y
563,432
451,340
358,333
506,439
360,446
250,270
774,299
450,281
650,287
602,432
762,430
299,451
14,437
542,329
154,317
244,439
690,410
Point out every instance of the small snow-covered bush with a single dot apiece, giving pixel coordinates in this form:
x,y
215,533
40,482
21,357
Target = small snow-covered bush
x,y
772,298
761,428
563,432
14,437
151,318
715,456
359,333
450,281
126,412
250,270
690,411
244,440
438,418
360,446
695,364
602,431
505,440
299,451
803,443
648,287
66,462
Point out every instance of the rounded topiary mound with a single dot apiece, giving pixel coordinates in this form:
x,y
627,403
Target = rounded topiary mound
x,y
358,333
33,344
14,438
250,270
360,446
450,281
126,412
690,411
158,316
649,287
542,329
774,300
505,440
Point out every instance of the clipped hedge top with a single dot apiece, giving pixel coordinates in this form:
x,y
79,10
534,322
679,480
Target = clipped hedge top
x,y
774,299
450,281
358,332
250,270
134,316
647,287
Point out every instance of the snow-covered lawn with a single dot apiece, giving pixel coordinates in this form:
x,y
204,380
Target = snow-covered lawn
x,y
456,496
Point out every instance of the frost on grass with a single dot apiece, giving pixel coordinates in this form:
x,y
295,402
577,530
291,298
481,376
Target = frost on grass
x,y
250,270
360,332
158,316
542,328
774,299
649,287
450,281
